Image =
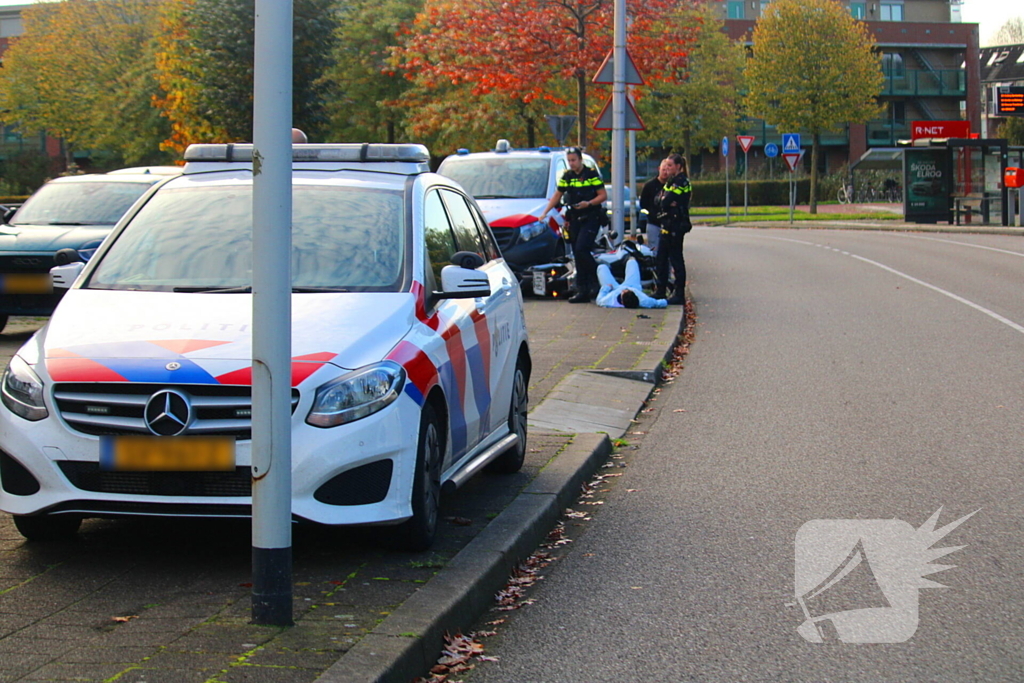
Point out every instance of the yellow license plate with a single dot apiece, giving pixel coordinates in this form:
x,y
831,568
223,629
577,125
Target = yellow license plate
x,y
26,283
167,453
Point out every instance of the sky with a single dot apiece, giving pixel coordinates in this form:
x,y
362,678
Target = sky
x,y
990,14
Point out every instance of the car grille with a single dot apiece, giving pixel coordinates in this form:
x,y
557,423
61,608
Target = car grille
x,y
89,477
505,237
111,409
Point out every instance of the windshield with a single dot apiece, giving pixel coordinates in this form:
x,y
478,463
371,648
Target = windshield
x,y
500,177
200,239
85,203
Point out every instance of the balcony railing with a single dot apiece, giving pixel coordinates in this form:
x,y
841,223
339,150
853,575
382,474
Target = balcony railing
x,y
923,83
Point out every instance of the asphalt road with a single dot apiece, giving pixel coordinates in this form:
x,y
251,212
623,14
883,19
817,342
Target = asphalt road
x,y
863,379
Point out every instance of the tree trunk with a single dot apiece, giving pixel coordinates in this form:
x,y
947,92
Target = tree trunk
x,y
687,138
391,131
815,150
581,109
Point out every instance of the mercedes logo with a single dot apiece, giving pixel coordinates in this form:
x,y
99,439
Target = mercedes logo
x,y
168,413
173,365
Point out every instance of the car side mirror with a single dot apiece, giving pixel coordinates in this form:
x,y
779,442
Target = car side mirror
x,y
8,213
65,256
467,259
463,283
65,275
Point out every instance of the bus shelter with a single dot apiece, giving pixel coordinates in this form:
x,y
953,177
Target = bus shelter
x,y
955,180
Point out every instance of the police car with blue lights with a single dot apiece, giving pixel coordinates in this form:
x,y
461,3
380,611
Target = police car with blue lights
x,y
410,353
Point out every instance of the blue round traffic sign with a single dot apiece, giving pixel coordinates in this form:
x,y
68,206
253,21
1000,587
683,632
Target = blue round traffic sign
x,y
725,147
771,150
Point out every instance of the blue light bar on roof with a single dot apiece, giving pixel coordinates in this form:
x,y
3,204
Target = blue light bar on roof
x,y
362,152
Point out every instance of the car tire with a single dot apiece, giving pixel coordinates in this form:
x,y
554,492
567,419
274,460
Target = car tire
x,y
48,527
417,533
511,461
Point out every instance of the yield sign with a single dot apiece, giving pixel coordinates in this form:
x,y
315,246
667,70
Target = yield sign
x,y
606,74
745,142
793,159
604,121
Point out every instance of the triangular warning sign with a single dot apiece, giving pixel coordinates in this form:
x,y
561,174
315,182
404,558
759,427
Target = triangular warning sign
x,y
793,159
604,120
745,142
606,74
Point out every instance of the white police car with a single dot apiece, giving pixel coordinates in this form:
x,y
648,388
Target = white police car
x,y
410,354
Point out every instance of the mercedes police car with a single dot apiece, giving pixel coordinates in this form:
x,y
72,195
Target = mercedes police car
x,y
410,353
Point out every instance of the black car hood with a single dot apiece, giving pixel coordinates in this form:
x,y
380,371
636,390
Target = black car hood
x,y
49,238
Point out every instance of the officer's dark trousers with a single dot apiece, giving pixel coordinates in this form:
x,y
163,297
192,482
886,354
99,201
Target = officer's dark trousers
x,y
583,233
670,252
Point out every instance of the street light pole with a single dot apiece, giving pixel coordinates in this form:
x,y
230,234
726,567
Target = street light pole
x,y
271,315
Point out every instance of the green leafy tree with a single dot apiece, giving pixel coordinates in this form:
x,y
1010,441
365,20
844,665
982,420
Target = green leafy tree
x,y
207,68
84,72
366,85
1012,129
814,69
698,104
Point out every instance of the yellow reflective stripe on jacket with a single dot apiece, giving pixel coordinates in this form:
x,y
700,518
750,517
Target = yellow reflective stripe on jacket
x,y
677,189
595,182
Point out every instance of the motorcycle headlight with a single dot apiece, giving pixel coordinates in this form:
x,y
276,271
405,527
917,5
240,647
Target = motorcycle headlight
x,y
22,391
360,393
531,230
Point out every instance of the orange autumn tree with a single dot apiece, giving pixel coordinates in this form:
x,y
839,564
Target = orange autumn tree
x,y
531,50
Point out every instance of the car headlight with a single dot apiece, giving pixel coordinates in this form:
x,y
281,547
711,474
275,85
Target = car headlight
x,y
360,393
531,230
22,391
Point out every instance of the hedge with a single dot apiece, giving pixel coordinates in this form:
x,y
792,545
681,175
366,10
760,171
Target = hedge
x,y
760,192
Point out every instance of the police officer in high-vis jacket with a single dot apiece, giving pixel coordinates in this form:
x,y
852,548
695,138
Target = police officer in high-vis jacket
x,y
582,190
672,213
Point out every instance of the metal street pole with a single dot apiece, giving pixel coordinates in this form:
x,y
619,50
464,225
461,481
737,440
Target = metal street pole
x,y
746,180
619,116
271,316
632,177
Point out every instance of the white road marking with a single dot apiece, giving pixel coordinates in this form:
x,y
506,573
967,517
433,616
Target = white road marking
x,y
961,244
978,307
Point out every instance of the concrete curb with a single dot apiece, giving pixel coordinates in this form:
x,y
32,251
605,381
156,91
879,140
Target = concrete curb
x,y
406,644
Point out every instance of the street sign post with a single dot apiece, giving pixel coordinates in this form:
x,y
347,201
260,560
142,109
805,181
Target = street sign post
x,y
771,150
725,154
745,142
792,161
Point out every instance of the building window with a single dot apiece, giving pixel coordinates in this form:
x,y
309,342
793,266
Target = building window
x,y
857,9
10,28
892,64
891,11
736,9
